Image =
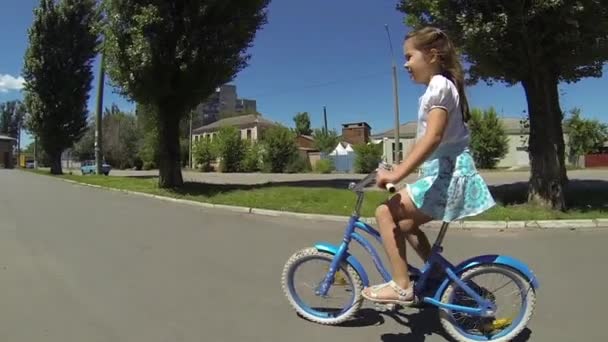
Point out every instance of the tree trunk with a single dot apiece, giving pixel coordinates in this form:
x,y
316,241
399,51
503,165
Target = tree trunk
x,y
170,171
56,163
546,142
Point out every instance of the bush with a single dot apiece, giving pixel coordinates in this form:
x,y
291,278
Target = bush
x,y
280,147
324,166
231,149
489,142
367,157
252,160
149,165
138,163
297,164
204,153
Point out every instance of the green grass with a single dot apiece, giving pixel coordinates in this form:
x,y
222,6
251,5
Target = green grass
x,y
307,197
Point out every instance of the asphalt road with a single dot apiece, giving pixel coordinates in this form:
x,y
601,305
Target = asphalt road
x,y
82,264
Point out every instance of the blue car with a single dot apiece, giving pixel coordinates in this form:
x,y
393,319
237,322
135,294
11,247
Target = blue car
x,y
88,167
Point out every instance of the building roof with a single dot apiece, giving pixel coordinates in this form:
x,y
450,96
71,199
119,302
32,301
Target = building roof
x,y
241,121
6,138
408,129
356,124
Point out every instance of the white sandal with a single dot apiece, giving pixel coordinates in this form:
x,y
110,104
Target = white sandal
x,y
404,296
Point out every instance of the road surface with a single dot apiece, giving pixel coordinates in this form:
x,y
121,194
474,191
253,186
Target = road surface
x,y
83,264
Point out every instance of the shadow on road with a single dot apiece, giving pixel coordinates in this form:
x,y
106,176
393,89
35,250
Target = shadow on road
x,y
421,324
580,194
197,188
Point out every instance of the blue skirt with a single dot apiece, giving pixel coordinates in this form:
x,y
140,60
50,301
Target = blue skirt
x,y
450,188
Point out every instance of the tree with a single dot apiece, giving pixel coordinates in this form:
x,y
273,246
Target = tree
x,y
58,73
84,149
231,149
172,54
584,136
536,43
302,121
12,115
205,153
325,141
120,138
147,126
279,148
367,157
489,142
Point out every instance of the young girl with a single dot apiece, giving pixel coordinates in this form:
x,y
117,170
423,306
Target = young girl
x,y
449,187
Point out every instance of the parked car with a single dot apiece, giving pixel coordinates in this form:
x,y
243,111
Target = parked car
x,y
89,167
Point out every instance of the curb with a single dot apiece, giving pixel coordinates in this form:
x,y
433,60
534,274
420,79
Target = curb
x,y
601,223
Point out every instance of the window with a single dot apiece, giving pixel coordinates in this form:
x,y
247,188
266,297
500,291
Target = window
x,y
400,151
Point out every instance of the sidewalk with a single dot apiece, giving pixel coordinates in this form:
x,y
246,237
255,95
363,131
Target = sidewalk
x,y
463,224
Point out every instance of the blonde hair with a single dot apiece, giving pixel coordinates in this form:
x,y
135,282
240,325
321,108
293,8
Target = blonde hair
x,y
428,38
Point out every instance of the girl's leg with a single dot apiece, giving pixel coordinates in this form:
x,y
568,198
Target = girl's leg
x,y
419,241
395,217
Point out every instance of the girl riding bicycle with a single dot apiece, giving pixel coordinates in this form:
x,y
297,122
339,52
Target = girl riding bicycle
x,y
449,187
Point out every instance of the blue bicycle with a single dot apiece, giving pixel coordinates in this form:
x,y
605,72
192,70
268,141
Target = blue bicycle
x,y
470,308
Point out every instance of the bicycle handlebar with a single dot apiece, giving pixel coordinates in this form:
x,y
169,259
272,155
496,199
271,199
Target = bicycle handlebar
x,y
390,187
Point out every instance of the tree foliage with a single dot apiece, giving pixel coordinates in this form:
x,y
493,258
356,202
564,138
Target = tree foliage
x,y
367,157
205,154
325,141
584,135
489,141
63,41
536,43
147,126
279,148
231,149
302,121
12,116
172,54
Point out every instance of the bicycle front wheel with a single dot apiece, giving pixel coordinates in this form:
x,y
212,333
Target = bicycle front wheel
x,y
303,274
512,294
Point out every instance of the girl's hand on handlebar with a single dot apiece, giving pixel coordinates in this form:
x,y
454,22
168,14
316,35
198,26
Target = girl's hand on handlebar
x,y
384,177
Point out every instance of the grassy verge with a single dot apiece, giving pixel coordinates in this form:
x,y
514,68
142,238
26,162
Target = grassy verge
x,y
327,200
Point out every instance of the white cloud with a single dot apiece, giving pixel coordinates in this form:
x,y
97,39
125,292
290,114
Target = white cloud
x,y
8,82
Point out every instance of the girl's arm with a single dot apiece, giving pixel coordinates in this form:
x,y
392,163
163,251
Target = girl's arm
x,y
436,123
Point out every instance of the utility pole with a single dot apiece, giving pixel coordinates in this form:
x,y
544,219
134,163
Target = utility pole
x,y
190,144
98,115
325,118
36,152
395,99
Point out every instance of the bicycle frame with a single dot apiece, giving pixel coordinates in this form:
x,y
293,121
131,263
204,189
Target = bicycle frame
x,y
341,253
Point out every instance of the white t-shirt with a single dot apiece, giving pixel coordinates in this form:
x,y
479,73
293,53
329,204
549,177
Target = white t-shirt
x,y
442,93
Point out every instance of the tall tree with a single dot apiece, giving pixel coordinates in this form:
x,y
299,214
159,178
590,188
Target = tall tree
x,y
537,43
62,45
302,121
12,115
172,54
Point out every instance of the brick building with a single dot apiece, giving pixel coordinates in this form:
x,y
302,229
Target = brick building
x,y
356,132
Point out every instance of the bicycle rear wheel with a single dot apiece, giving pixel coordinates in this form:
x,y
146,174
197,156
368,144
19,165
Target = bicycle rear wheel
x,y
305,271
512,314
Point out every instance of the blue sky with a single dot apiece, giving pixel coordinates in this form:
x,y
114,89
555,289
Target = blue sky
x,y
312,54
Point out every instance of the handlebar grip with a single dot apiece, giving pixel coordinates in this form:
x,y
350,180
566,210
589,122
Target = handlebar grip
x,y
391,187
